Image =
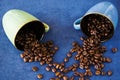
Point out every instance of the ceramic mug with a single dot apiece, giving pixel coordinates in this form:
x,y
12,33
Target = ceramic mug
x,y
15,20
105,9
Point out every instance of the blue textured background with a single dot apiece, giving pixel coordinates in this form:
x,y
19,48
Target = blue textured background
x,y
59,15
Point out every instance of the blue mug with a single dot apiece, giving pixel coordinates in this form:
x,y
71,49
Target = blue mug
x,y
105,9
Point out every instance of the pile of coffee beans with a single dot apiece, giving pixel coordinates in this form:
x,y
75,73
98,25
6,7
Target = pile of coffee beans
x,y
97,24
89,54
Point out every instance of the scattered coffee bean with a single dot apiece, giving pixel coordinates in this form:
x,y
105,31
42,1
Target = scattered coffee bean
x,y
69,55
39,76
114,50
66,59
109,73
97,72
65,78
47,68
34,68
54,70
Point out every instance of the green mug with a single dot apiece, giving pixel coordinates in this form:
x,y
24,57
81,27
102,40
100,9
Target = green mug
x,y
15,20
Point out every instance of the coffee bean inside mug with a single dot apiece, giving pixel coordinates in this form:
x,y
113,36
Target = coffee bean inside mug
x,y
97,24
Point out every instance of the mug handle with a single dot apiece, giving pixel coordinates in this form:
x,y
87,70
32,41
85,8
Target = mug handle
x,y
46,27
76,23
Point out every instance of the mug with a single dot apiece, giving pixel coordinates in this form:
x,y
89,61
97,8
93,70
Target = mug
x,y
106,9
16,20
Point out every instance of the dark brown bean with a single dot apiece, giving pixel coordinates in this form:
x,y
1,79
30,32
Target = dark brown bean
x,y
65,78
69,55
54,70
48,68
109,73
114,50
66,59
39,76
97,72
34,68
57,73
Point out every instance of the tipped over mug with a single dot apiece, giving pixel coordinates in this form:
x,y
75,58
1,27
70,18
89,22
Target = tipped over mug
x,y
16,20
105,9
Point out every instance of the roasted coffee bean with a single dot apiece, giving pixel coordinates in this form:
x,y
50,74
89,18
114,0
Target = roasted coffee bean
x,y
74,43
108,59
50,64
39,76
114,50
109,73
103,73
34,68
65,78
56,48
22,55
97,72
42,62
81,78
66,59
57,66
25,59
72,78
54,70
57,78
69,55
57,74
48,68
81,38
65,70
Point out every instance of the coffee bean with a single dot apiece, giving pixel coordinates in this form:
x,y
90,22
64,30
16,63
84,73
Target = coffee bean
x,y
50,65
54,70
108,59
66,59
109,73
22,55
65,78
57,73
74,43
48,68
97,72
56,48
72,78
57,78
69,55
81,38
34,68
25,59
114,50
39,76
103,73
81,78
57,66
42,62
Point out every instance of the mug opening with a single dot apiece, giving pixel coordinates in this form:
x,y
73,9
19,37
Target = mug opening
x,y
36,26
85,21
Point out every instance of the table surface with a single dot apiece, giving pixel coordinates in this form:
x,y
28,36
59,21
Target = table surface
x,y
59,15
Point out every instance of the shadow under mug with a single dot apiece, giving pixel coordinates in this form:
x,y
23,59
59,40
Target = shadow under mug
x,y
105,9
15,21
